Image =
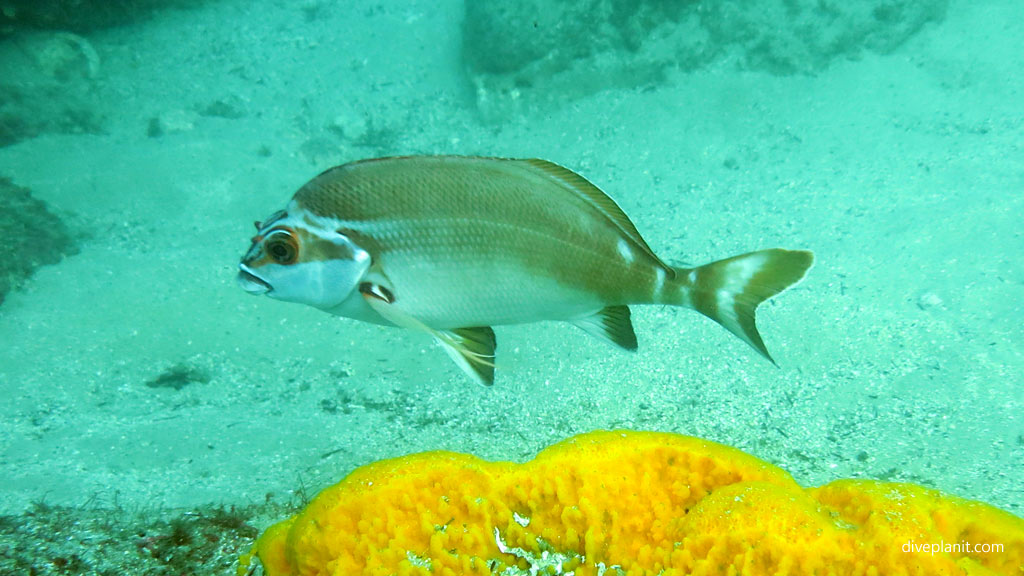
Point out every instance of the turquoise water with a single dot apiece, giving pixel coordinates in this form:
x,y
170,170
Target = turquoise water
x,y
887,139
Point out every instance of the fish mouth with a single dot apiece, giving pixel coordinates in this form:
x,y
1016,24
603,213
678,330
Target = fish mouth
x,y
252,283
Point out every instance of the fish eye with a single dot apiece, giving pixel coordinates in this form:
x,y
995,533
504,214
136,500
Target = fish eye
x,y
281,248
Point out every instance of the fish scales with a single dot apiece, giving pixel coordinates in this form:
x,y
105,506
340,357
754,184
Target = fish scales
x,y
493,226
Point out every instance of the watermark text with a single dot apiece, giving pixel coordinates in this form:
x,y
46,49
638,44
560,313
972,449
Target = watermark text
x,y
962,547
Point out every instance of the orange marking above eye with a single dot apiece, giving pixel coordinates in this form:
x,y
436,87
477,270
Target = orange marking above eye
x,y
261,237
287,229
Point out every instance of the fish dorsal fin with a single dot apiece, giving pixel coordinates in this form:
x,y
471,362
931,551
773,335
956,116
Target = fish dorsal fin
x,y
611,324
598,199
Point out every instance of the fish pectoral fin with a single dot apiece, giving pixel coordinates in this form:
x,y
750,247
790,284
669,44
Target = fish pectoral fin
x,y
611,324
377,292
471,348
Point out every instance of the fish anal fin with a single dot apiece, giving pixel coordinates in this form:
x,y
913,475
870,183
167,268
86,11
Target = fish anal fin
x,y
611,324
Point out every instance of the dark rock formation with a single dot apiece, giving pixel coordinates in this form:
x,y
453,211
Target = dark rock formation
x,y
550,49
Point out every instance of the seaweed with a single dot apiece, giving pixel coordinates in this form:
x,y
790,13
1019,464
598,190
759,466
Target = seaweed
x,y
179,376
30,236
55,540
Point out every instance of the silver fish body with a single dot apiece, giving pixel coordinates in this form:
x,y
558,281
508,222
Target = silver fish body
x,y
453,245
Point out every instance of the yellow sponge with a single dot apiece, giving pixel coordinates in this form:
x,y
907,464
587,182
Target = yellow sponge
x,y
631,503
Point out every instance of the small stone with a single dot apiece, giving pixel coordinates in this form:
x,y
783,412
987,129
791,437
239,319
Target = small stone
x,y
350,125
171,122
929,301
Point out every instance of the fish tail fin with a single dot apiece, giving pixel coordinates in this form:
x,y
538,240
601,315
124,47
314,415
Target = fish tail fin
x,y
729,291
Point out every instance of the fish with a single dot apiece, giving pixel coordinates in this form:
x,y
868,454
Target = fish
x,y
452,246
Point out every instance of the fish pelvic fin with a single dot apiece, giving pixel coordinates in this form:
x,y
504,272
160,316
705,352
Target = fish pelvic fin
x,y
473,350
611,324
728,291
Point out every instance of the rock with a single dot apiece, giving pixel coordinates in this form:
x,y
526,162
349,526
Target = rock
x,y
48,85
350,125
550,50
171,122
77,15
929,301
63,56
